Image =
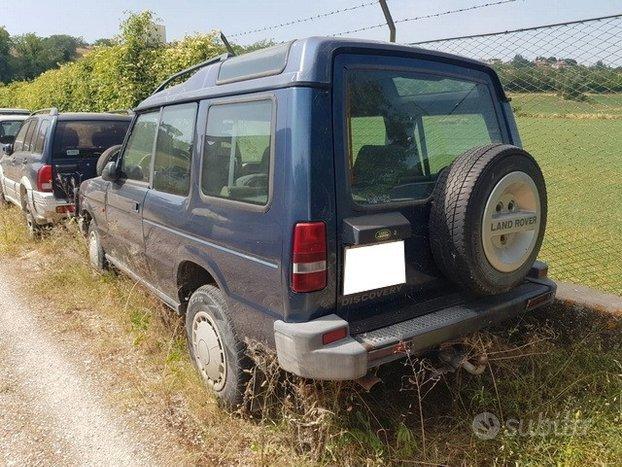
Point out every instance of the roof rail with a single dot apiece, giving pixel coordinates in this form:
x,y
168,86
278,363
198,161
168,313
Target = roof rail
x,y
13,111
52,111
120,111
212,60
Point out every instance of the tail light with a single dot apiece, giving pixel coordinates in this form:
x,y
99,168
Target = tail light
x,y
44,178
309,257
67,209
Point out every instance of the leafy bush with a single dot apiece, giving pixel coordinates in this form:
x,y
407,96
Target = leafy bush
x,y
115,76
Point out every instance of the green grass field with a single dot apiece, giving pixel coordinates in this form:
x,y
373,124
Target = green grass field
x,y
550,104
579,147
581,157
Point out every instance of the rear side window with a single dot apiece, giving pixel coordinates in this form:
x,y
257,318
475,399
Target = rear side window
x,y
86,138
21,136
30,136
238,147
174,149
405,127
41,134
136,161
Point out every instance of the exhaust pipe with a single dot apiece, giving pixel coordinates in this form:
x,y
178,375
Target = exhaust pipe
x,y
457,359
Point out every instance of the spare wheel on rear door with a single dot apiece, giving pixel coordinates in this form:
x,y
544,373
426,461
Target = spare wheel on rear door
x,y
488,217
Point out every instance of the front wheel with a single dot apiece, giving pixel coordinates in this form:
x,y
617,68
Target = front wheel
x,y
216,350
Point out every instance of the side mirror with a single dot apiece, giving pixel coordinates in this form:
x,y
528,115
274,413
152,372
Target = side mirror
x,y
110,172
7,139
7,149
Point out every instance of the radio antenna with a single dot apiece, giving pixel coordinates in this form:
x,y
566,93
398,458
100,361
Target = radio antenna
x,y
224,40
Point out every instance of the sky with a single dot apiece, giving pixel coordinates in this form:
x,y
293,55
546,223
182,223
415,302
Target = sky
x,y
93,19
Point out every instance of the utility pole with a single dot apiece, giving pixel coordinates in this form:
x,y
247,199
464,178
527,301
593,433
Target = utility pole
x,y
388,18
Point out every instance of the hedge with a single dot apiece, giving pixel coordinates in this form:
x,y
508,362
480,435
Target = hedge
x,y
111,77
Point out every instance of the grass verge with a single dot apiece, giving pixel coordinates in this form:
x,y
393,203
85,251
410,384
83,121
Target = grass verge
x,y
554,381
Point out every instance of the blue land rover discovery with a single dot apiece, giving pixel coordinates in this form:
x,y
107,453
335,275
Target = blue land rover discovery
x,y
345,202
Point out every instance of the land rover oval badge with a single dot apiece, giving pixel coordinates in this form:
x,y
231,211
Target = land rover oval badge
x,y
383,234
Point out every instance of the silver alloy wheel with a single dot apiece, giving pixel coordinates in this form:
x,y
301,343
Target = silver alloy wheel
x,y
94,249
511,222
209,351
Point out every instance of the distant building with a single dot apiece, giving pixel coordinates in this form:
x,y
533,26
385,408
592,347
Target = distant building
x,y
158,33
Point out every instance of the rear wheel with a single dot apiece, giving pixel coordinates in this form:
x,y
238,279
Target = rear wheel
x,y
216,350
32,228
3,201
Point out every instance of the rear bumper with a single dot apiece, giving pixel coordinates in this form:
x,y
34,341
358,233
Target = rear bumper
x,y
300,349
44,207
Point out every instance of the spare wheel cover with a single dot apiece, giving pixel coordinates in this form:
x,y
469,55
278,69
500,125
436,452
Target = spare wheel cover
x,y
511,222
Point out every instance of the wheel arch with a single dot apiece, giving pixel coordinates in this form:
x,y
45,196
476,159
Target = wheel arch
x,y
191,274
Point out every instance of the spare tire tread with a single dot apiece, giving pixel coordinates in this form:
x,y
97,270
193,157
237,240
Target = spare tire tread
x,y
451,217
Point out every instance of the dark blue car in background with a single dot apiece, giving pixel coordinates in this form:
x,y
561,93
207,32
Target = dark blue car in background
x,y
345,202
52,153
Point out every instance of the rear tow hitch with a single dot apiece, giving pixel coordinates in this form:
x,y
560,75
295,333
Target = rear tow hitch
x,y
457,359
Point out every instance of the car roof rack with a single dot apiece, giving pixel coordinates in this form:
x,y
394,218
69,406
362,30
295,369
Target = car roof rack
x,y
219,58
52,111
13,111
120,111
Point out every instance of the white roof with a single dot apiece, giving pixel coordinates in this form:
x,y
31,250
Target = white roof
x,y
13,117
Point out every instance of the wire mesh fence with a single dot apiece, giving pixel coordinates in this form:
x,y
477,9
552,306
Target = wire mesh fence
x,y
565,81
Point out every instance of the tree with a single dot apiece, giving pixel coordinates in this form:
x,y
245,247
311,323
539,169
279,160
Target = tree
x,y
520,62
6,73
31,56
103,42
62,48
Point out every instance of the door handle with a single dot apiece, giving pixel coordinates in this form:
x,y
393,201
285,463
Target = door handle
x,y
136,207
24,162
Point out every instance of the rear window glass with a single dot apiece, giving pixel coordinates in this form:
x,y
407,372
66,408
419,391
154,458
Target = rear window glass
x,y
87,138
405,127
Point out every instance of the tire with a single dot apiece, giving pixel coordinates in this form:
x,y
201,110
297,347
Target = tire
x,y
487,218
33,229
211,333
97,256
3,201
105,157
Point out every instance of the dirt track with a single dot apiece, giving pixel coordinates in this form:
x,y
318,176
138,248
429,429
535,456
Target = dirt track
x,y
55,405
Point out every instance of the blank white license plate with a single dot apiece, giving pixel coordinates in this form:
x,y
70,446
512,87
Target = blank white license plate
x,y
373,267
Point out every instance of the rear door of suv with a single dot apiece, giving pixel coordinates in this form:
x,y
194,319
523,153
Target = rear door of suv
x,y
76,146
398,123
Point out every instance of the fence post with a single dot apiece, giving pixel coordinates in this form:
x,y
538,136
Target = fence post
x,y
389,19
